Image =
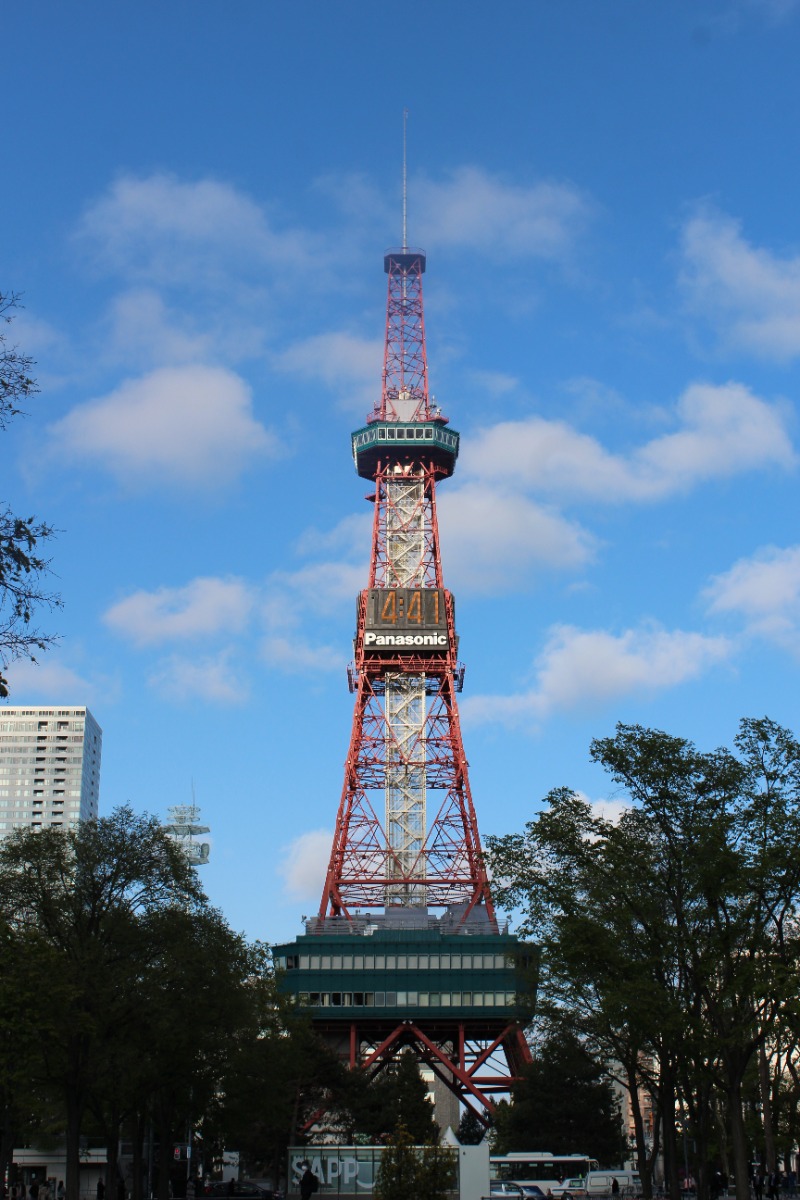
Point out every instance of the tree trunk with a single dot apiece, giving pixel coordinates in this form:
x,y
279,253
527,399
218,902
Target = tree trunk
x,y
165,1157
74,1105
653,1157
697,1096
6,1151
139,1125
739,1141
667,1105
765,1086
632,1076
112,1156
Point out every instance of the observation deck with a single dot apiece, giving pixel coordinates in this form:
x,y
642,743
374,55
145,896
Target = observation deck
x,y
404,442
382,975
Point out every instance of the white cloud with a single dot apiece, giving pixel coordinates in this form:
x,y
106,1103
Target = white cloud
x,y
586,668
769,582
206,606
169,230
751,295
493,537
765,590
36,335
206,679
726,430
494,383
303,864
317,585
348,536
494,216
722,430
291,597
50,679
342,362
295,656
191,425
143,329
608,810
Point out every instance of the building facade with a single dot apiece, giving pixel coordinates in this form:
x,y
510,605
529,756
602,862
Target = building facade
x,y
49,767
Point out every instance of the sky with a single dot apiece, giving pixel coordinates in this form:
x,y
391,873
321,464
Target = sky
x,y
195,205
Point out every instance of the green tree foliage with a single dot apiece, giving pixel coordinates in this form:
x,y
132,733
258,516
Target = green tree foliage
x,y
407,1170
564,1101
437,1171
276,1078
85,912
194,1006
21,565
396,1177
670,938
127,1003
375,1107
471,1130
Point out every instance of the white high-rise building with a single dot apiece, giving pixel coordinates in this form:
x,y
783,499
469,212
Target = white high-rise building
x,y
49,767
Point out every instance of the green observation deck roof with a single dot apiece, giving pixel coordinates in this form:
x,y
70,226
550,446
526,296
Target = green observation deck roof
x,y
404,442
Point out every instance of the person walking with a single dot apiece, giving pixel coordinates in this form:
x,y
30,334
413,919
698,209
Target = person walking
x,y
308,1184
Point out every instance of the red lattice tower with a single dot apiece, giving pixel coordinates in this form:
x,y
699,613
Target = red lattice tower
x,y
406,833
453,989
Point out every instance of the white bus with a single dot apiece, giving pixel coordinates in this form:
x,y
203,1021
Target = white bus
x,y
545,1170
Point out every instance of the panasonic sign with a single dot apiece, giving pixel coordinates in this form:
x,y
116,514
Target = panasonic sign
x,y
372,639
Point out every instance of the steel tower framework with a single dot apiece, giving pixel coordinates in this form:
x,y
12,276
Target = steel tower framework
x,y
406,739
406,839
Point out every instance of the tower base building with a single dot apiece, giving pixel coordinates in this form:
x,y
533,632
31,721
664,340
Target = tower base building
x,y
455,992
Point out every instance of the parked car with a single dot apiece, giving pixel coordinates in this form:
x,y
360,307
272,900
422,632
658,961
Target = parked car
x,y
574,1188
525,1191
600,1183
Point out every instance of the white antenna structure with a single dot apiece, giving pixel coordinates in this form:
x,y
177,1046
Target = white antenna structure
x,y
405,183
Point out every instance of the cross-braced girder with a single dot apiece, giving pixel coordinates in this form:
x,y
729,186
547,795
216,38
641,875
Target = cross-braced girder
x,y
475,1064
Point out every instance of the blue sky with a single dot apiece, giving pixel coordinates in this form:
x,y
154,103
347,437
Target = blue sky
x,y
196,201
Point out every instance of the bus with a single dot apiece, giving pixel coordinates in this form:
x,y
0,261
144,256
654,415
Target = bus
x,y
545,1170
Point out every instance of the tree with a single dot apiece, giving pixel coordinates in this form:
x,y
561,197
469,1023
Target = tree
x,y
194,1004
564,1102
407,1170
471,1130
21,566
79,907
396,1178
377,1106
26,1101
673,934
278,1075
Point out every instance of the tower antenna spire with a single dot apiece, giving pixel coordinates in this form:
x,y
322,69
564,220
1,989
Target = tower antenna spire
x,y
405,182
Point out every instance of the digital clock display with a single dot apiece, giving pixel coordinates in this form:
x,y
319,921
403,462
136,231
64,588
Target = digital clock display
x,y
409,620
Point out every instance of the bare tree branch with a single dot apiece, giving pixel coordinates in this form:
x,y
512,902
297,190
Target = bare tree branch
x,y
22,567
